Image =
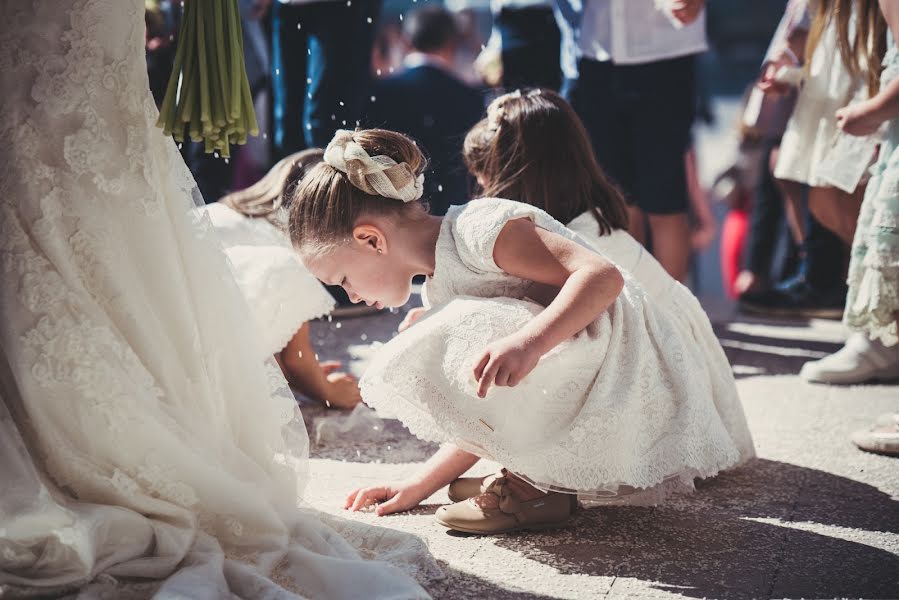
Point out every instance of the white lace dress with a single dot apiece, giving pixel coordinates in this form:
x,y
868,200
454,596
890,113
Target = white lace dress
x,y
872,304
669,296
280,292
145,451
624,407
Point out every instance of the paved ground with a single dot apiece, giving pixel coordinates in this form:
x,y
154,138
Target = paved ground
x,y
811,518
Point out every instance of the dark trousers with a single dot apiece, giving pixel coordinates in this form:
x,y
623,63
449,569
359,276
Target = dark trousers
x,y
639,119
530,48
320,70
767,226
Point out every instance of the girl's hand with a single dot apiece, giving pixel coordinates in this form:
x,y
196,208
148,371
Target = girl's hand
x,y
394,497
859,119
768,82
343,389
505,362
686,11
412,317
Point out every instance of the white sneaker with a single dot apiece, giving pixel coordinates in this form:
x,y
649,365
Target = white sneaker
x,y
858,361
883,438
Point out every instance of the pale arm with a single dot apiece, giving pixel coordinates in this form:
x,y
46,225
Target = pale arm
x,y
446,465
587,285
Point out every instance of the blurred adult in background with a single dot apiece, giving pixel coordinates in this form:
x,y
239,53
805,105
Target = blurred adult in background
x,y
321,51
161,19
523,50
429,102
631,77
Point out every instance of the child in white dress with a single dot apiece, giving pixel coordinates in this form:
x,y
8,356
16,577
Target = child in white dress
x,y
561,176
281,294
537,351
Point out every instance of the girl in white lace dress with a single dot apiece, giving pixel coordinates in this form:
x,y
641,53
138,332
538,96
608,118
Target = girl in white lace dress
x,y
281,294
532,147
537,352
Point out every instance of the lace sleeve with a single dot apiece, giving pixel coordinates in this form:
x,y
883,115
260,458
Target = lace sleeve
x,y
478,224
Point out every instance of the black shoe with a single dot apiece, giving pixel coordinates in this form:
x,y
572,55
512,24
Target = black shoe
x,y
796,298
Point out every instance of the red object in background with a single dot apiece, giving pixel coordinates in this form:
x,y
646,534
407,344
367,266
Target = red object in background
x,y
734,232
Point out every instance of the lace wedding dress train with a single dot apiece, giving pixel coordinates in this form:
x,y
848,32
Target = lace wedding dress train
x,y
146,452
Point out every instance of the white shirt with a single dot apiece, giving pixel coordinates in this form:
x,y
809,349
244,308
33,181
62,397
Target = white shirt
x,y
625,32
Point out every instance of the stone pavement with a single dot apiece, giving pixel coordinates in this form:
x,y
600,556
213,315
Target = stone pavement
x,y
812,517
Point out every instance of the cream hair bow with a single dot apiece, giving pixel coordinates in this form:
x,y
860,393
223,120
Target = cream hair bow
x,y
376,175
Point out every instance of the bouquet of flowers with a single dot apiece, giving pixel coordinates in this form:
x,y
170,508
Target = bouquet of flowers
x,y
208,96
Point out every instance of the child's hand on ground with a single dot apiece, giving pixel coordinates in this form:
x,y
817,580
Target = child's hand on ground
x,y
505,362
391,498
411,318
343,389
859,119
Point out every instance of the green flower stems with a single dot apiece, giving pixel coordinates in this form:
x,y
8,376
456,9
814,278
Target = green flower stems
x,y
208,96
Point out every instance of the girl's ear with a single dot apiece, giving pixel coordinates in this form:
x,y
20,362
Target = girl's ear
x,y
371,238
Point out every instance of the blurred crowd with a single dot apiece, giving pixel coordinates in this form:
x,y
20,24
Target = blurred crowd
x,y
794,194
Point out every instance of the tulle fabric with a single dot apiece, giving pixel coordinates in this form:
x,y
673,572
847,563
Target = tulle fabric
x,y
147,450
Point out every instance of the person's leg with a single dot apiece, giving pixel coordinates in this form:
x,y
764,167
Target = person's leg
x,y
793,194
340,47
836,210
596,96
288,77
662,104
767,216
636,223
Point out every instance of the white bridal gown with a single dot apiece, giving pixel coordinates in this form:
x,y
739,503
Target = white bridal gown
x,y
146,450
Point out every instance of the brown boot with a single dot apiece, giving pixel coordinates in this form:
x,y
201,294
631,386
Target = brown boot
x,y
511,514
464,488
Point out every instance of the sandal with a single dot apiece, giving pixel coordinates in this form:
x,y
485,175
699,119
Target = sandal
x,y
551,510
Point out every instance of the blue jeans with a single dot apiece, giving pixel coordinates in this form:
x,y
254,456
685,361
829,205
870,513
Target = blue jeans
x,y
321,53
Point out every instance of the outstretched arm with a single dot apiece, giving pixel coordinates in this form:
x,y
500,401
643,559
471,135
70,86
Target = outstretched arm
x,y
587,285
447,464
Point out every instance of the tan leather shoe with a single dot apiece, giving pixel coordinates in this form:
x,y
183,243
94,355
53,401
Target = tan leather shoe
x,y
464,488
551,510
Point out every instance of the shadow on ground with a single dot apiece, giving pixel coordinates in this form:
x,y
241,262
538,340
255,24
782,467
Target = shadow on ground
x,y
731,536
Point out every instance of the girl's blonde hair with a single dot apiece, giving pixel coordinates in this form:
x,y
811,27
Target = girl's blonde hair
x,y
863,54
269,197
532,147
326,205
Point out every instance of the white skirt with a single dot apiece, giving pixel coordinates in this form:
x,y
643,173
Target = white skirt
x,y
812,143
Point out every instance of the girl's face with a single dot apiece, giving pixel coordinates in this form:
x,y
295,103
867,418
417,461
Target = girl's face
x,y
377,278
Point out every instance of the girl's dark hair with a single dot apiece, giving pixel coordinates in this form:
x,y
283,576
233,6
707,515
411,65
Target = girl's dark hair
x,y
269,198
325,206
532,147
